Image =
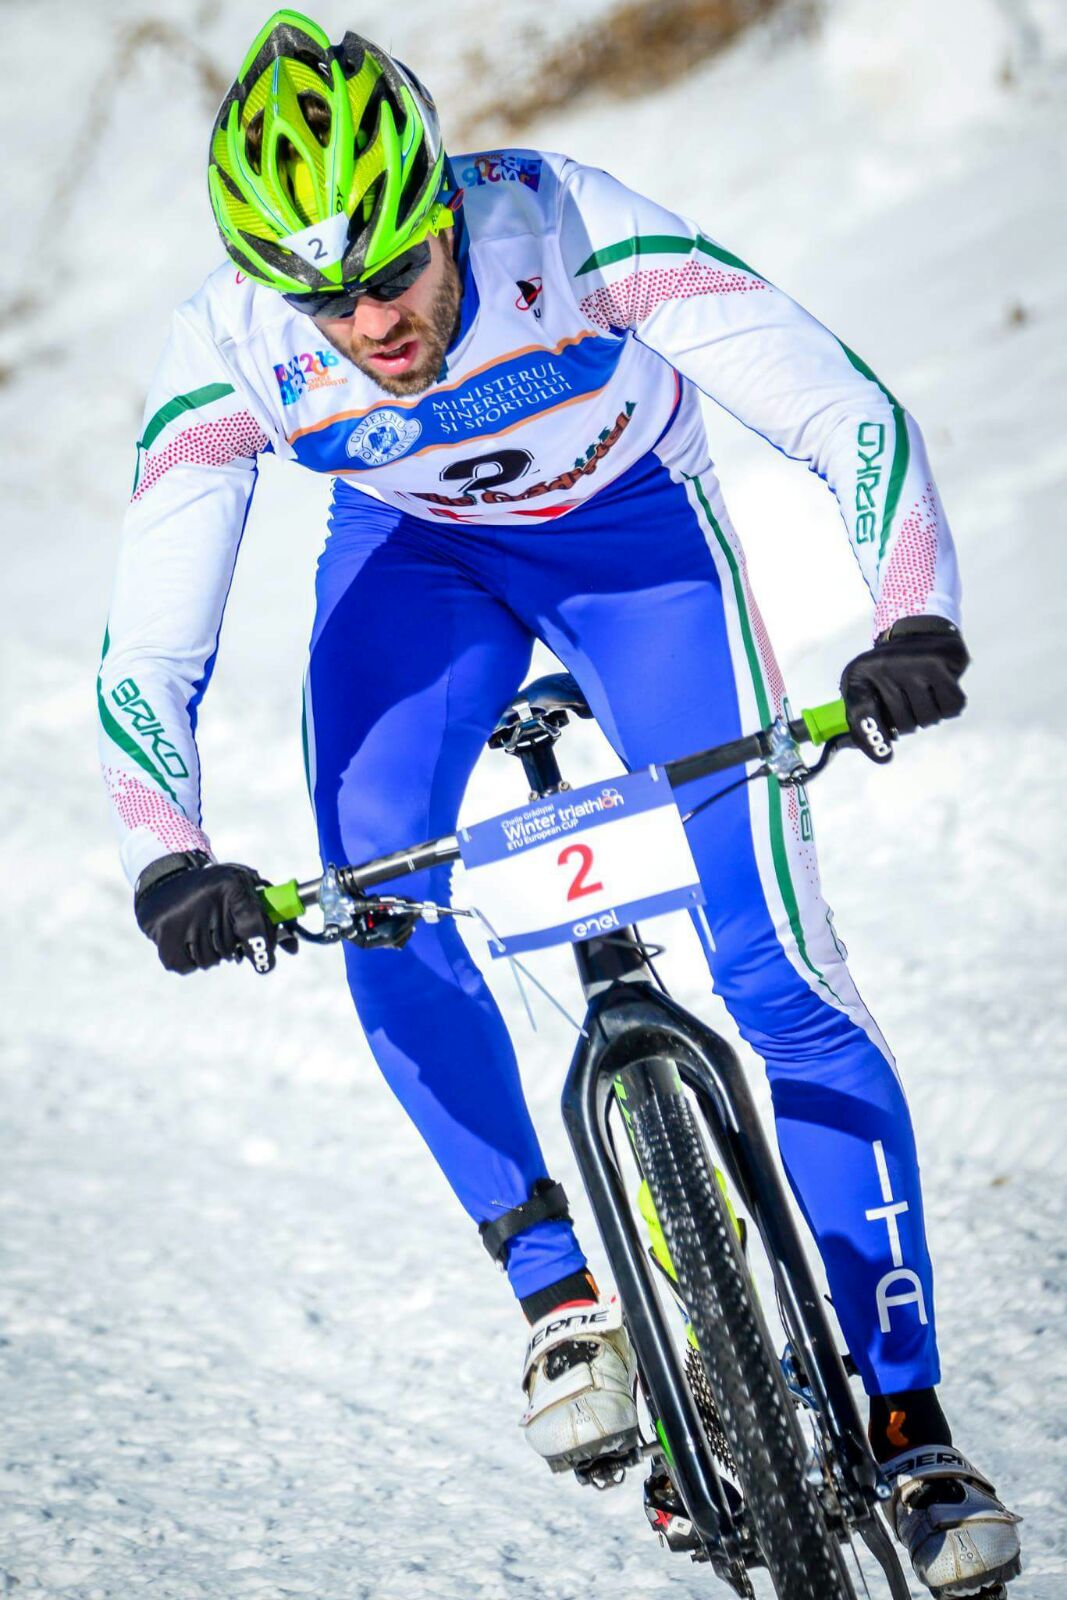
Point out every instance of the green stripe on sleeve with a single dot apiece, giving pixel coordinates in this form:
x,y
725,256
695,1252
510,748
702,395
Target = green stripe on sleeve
x,y
901,449
174,408
121,736
706,247
116,732
661,244
182,402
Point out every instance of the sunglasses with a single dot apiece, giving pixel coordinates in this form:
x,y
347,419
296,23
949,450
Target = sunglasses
x,y
388,284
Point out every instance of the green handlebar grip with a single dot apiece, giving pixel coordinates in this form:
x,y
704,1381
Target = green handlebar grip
x,y
825,722
282,901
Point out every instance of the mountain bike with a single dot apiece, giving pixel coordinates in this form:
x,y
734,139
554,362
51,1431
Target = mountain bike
x,y
756,1457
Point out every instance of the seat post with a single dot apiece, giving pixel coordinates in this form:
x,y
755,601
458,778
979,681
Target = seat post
x,y
531,724
540,765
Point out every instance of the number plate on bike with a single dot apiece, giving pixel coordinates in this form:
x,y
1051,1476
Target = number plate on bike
x,y
580,863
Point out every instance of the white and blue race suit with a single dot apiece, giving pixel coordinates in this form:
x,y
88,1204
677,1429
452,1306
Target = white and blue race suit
x,y
554,483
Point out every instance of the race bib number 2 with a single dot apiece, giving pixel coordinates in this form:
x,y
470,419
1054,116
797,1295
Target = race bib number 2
x,y
580,863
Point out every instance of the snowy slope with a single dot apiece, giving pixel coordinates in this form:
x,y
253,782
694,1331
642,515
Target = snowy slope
x,y
249,1347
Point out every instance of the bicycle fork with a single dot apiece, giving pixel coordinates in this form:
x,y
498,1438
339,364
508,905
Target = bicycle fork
x,y
635,1036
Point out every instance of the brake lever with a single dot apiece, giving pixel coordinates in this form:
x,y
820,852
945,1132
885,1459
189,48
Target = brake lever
x,y
839,742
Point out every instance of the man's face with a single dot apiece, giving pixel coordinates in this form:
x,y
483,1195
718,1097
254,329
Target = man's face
x,y
400,344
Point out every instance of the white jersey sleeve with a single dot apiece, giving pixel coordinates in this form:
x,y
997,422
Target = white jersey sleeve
x,y
637,267
193,486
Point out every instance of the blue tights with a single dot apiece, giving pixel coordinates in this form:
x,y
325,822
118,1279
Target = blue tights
x,y
423,633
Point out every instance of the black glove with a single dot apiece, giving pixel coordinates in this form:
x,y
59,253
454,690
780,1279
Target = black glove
x,y
198,913
909,680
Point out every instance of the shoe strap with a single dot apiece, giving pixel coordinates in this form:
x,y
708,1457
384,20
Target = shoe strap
x,y
915,1467
596,1321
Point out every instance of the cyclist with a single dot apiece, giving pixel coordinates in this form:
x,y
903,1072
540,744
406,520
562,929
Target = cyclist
x,y
499,359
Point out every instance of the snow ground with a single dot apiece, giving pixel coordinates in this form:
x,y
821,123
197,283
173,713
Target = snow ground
x,y
248,1345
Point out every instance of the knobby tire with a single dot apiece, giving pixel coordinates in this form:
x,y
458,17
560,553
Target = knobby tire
x,y
745,1379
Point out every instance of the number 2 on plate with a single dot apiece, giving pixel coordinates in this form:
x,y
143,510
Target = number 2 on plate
x,y
585,858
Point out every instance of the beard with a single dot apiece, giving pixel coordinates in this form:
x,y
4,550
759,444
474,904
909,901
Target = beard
x,y
434,331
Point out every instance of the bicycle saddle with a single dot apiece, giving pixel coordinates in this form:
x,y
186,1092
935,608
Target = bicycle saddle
x,y
547,701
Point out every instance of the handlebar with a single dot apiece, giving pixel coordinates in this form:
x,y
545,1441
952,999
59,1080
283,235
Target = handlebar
x,y
776,746
816,726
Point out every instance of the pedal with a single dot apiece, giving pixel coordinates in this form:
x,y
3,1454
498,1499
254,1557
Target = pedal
x,y
997,1590
607,1468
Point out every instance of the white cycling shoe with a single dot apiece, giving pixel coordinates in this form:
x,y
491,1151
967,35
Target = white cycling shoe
x,y
578,1378
962,1540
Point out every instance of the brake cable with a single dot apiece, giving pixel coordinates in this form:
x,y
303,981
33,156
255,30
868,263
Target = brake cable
x,y
797,779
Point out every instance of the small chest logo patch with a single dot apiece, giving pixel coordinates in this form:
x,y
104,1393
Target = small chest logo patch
x,y
382,437
530,291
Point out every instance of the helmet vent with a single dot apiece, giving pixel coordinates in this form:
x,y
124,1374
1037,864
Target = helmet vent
x,y
372,110
314,61
316,115
254,143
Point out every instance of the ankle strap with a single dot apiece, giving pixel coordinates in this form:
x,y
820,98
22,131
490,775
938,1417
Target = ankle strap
x,y
547,1203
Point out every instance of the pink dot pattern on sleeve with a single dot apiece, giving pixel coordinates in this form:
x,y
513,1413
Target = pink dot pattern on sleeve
x,y
139,806
627,303
912,566
208,444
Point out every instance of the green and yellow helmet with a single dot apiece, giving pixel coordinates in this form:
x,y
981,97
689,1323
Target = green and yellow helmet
x,y
326,161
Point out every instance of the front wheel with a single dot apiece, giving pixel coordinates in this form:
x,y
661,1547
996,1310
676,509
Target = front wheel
x,y
743,1374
